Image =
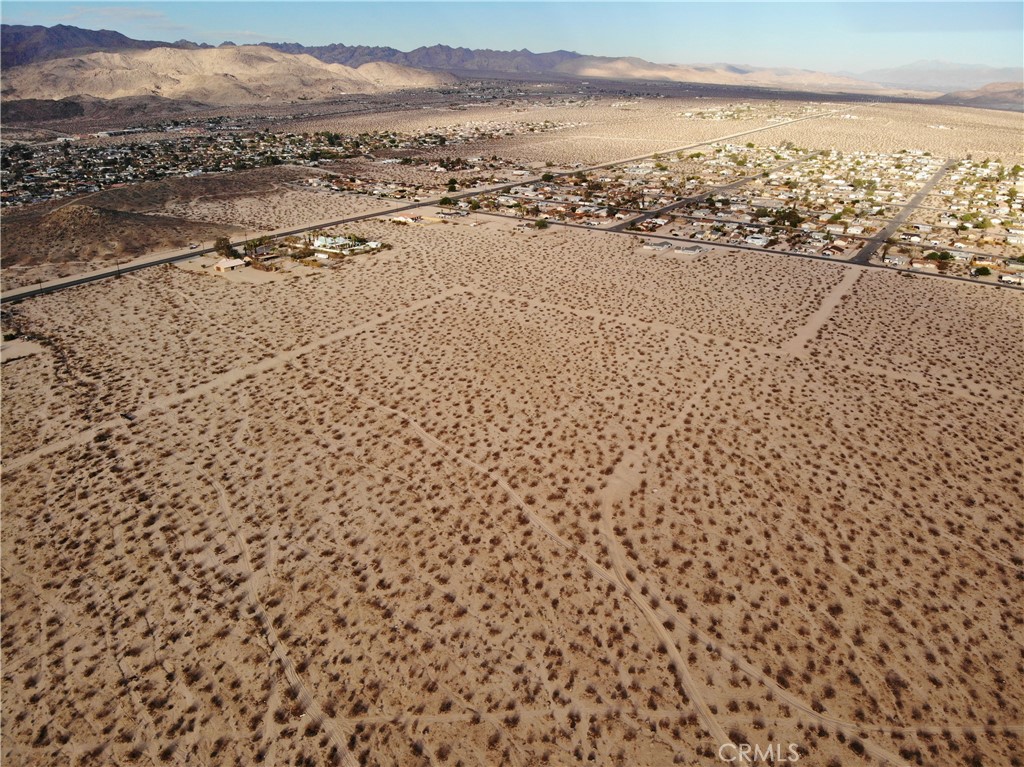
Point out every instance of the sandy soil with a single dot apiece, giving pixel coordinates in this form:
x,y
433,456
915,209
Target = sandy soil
x,y
79,238
605,129
509,497
944,131
290,207
42,242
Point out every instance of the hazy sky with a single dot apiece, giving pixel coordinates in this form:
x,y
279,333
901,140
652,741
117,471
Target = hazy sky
x,y
851,36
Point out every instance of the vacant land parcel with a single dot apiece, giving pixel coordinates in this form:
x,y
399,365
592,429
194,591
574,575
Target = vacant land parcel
x,y
532,498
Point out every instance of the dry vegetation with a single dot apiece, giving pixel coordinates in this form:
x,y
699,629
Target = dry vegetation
x,y
942,130
76,238
606,129
49,240
498,497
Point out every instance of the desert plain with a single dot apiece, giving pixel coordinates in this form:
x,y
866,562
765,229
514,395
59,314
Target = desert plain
x,y
502,496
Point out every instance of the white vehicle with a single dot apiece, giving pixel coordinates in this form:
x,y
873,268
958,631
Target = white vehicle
x,y
1012,279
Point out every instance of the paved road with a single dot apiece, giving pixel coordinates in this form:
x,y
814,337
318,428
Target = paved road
x,y
756,249
168,257
900,218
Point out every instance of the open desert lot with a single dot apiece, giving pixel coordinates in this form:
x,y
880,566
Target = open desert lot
x,y
49,240
945,131
604,129
597,130
499,496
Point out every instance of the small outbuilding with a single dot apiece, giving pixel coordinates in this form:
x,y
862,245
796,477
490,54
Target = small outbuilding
x,y
228,264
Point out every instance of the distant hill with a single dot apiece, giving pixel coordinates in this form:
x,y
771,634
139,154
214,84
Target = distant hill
x,y
222,76
465,61
25,45
1008,96
714,74
91,108
942,76
29,46
436,57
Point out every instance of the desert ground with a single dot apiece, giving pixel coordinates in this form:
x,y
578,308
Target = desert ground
x,y
499,496
945,131
603,130
608,129
78,234
49,240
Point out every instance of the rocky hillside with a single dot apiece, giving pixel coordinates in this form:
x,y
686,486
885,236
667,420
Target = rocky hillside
x,y
21,44
83,232
1009,96
223,76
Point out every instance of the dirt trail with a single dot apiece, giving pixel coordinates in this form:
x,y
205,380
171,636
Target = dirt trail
x,y
624,479
277,647
618,489
627,478
795,345
230,378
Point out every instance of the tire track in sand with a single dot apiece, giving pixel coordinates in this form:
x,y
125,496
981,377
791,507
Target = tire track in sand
x,y
230,378
623,480
277,647
616,577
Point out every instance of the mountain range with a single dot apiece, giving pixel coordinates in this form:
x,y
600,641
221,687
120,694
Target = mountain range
x,y
64,61
941,76
224,76
21,44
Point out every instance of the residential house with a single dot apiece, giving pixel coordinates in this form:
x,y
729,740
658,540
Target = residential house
x,y
228,264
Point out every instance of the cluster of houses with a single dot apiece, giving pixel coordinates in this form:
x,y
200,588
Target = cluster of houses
x,y
32,173
957,263
851,191
823,204
430,177
761,232
36,173
771,110
827,204
978,206
323,248
623,192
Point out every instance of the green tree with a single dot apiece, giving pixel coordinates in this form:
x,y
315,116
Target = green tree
x,y
547,177
982,271
446,202
223,247
541,224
